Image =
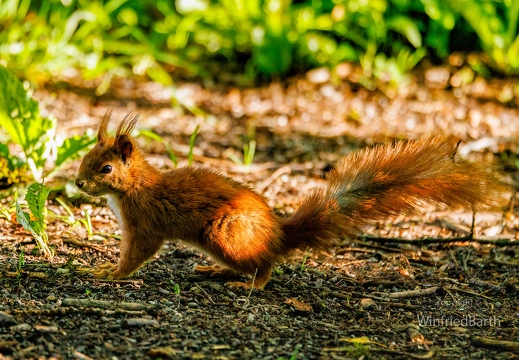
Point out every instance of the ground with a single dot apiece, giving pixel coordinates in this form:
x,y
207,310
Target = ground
x,y
451,295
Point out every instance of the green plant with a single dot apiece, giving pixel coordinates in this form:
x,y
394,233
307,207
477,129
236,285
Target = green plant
x,y
88,221
496,25
176,287
305,257
21,261
294,354
34,221
249,150
70,219
36,136
192,139
156,137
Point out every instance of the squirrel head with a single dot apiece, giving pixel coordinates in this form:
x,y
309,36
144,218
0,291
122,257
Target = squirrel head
x,y
106,169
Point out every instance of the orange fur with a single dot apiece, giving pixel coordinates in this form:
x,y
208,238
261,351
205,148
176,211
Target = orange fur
x,y
234,225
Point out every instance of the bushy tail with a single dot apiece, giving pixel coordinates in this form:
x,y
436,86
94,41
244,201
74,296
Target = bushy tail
x,y
389,180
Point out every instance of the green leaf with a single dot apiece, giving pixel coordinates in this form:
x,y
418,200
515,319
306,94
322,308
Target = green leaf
x,y
192,145
406,27
273,55
16,108
20,117
24,218
36,197
4,151
34,227
71,147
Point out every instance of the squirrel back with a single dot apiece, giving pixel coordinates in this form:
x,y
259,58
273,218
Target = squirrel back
x,y
388,180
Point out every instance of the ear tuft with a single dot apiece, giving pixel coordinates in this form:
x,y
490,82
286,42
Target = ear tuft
x,y
128,124
102,132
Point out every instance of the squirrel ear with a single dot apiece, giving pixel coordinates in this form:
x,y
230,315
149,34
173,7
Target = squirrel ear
x,y
102,132
124,144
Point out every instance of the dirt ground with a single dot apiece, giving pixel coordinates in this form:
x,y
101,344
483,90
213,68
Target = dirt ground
x,y
412,287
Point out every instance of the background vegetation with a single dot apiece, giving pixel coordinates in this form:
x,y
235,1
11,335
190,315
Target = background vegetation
x,y
249,39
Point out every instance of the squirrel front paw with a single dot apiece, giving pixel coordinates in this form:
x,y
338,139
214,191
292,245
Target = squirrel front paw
x,y
104,271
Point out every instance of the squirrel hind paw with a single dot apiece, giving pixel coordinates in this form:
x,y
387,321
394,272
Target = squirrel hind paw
x,y
215,271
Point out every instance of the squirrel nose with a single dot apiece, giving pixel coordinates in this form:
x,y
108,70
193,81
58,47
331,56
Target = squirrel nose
x,y
80,183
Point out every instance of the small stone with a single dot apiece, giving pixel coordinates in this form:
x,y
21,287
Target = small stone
x,y
343,70
141,322
318,76
437,77
6,319
46,329
50,298
367,303
163,291
299,305
163,352
21,327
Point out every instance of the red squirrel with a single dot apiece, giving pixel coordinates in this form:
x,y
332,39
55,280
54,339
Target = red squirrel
x,y
234,225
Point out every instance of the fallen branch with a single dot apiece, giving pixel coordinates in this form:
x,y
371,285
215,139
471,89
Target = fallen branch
x,y
407,355
119,281
281,171
378,247
84,244
413,293
107,304
495,344
62,311
505,263
469,292
427,241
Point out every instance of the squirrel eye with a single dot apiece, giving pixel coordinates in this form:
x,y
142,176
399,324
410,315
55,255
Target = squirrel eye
x,y
107,169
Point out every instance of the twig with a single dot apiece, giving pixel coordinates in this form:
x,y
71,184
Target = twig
x,y
205,293
61,311
81,356
495,344
425,241
378,247
413,293
407,355
107,304
282,170
400,305
246,300
503,262
83,244
453,258
120,281
469,293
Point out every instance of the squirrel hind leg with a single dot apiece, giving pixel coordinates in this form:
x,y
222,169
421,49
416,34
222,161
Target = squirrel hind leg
x,y
258,281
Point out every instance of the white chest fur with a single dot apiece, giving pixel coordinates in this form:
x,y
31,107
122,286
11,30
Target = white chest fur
x,y
114,204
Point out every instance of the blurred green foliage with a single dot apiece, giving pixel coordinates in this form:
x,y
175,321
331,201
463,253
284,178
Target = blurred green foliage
x,y
250,38
23,126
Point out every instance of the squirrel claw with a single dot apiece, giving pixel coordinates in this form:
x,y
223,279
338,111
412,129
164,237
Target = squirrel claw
x,y
106,266
102,274
235,285
104,270
215,271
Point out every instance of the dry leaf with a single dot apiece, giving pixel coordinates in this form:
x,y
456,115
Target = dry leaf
x,y
299,305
